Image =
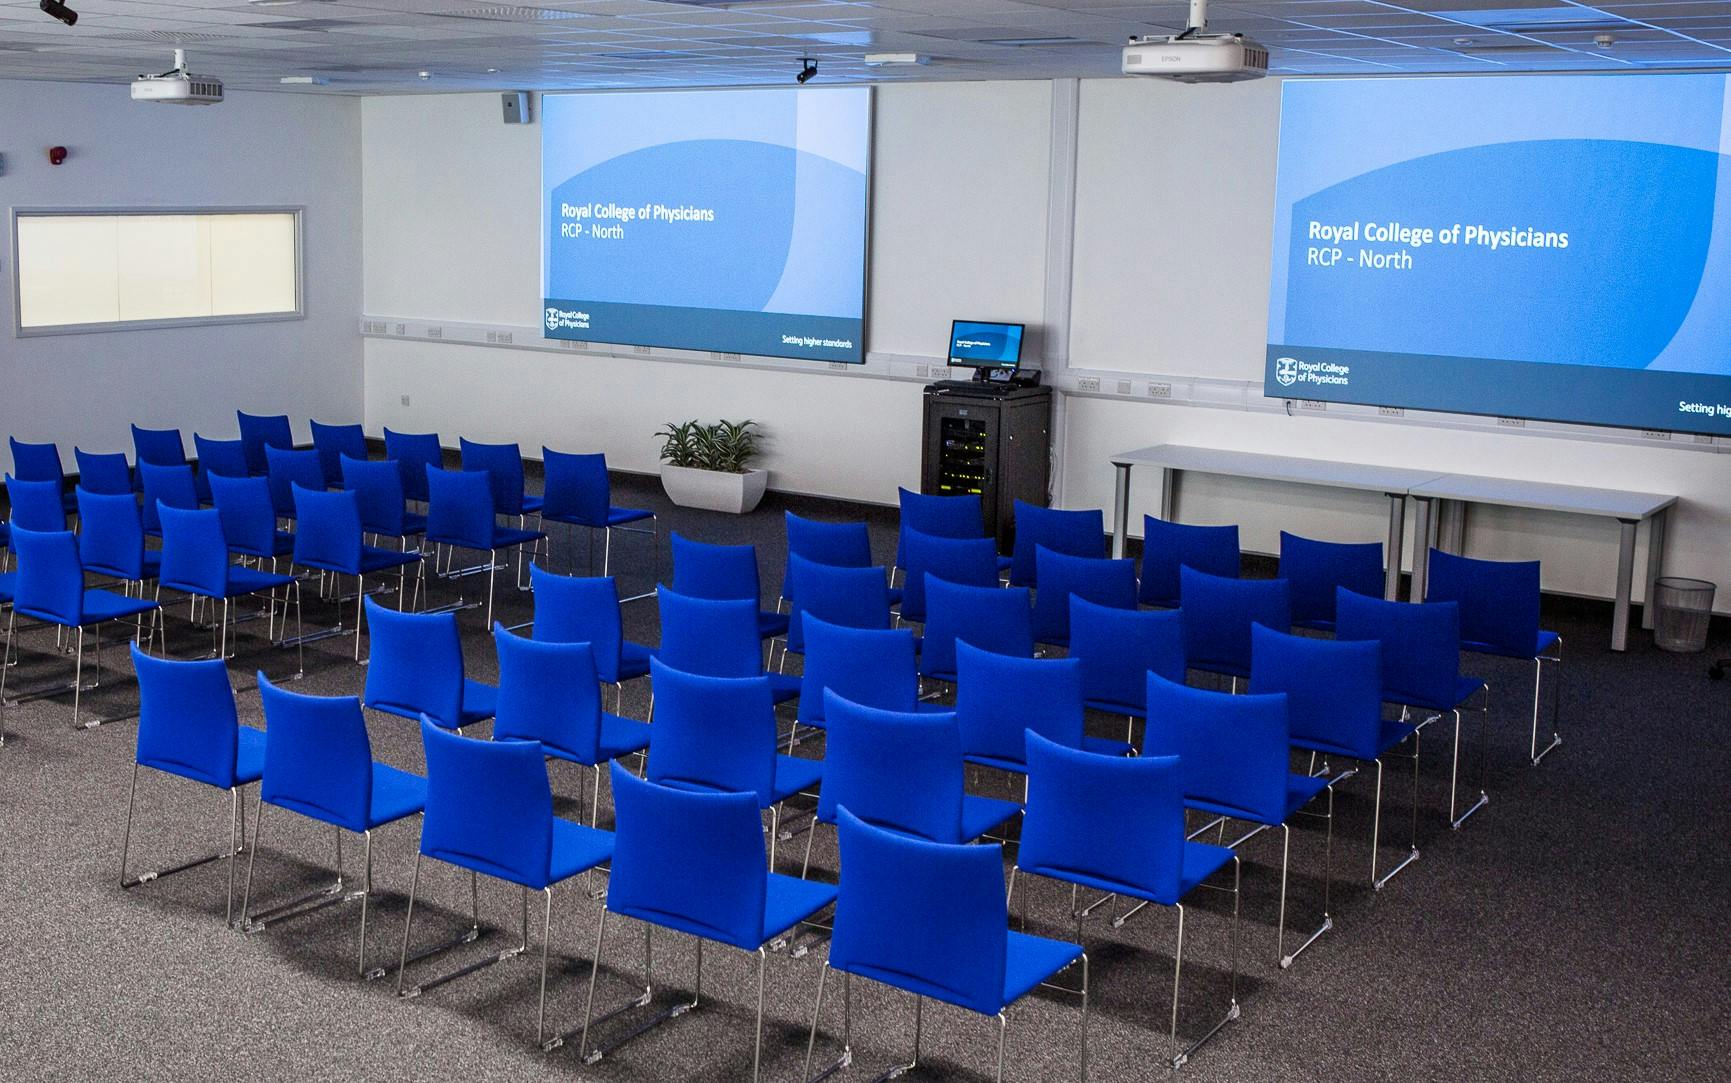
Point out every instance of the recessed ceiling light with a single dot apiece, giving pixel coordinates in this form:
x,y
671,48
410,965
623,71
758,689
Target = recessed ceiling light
x,y
304,80
492,71
1463,41
272,3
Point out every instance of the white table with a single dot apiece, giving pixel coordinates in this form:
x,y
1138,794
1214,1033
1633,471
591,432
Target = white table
x,y
1630,509
1175,459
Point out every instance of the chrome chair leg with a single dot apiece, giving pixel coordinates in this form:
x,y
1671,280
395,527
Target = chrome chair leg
x,y
1483,799
237,821
1535,751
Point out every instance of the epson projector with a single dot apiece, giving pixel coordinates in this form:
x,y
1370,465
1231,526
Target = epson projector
x,y
177,86
1204,58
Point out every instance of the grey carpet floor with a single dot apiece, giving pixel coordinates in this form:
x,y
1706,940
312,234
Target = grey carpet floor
x,y
1573,930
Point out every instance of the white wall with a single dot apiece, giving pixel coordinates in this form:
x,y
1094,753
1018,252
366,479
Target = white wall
x,y
253,150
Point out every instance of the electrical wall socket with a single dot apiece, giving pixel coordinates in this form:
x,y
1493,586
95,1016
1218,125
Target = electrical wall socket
x,y
404,399
1655,434
1088,383
1390,411
1512,422
640,349
435,332
1159,391
1312,404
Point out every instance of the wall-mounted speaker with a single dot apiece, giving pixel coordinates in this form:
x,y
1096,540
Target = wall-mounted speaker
x,y
516,103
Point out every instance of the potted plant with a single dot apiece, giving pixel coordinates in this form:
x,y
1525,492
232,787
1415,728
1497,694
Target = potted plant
x,y
709,465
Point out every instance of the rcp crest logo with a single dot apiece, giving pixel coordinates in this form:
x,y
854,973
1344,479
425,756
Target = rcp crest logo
x,y
566,319
1285,368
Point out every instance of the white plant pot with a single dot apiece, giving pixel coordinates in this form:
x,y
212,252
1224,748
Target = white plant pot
x,y
714,490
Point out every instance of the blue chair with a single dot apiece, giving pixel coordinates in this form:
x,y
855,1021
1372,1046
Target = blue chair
x,y
1316,569
577,491
415,668
414,452
249,518
111,539
1499,611
1118,648
723,573
490,811
1234,755
1333,692
36,505
1167,547
195,562
716,638
719,734
378,485
103,472
261,431
1063,577
503,465
569,609
1076,533
1117,825
333,442
1421,669
999,699
318,763
226,458
992,618
329,538
902,771
50,588
188,728
549,692
930,919
855,597
1219,613
868,666
287,468
159,447
41,462
968,561
460,516
693,863
940,517
166,486
840,545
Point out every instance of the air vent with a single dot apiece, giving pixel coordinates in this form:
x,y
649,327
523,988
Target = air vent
x,y
668,55
310,25
509,13
175,36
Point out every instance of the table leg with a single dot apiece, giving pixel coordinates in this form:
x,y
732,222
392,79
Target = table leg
x,y
1625,579
1396,540
1168,493
1655,563
1120,508
1421,548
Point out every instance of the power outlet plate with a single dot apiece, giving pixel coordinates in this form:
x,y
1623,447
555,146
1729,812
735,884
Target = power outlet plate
x,y
1159,391
1088,383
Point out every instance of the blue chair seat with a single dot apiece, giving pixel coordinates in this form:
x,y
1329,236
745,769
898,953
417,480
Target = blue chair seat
x,y
1005,563
414,523
1393,733
982,814
633,660
1135,710
1546,641
622,736
8,585
1030,960
532,505
1465,687
794,775
374,559
249,756
508,536
102,605
1299,790
1104,746
242,580
151,567
784,686
770,625
576,848
1200,861
479,701
790,900
396,794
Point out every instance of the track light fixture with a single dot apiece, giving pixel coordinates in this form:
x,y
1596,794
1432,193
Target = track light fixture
x,y
59,11
806,73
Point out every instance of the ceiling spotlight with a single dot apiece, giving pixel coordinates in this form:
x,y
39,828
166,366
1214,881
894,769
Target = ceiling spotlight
x,y
1463,41
59,11
1603,41
425,75
805,75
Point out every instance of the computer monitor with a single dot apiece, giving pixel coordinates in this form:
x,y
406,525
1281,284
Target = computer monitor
x,y
996,346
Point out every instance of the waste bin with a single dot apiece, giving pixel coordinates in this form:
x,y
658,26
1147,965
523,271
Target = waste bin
x,y
1682,608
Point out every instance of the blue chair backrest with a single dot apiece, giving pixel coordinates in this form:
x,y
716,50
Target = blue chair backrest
x,y
1421,661
327,530
1333,687
575,487
548,693
287,468
1498,599
37,462
1317,568
36,505
999,697
1167,547
50,584
261,431
317,758
1119,647
110,534
1219,613
841,545
378,486
1062,577
332,442
413,452
938,517
161,447
163,484
571,609
688,861
720,572
855,597
194,551
248,516
460,508
503,465
1113,819
715,732
187,724
869,666
969,561
993,618
489,806
104,472
927,917
708,636
1233,751
415,663
1078,533
226,458
896,769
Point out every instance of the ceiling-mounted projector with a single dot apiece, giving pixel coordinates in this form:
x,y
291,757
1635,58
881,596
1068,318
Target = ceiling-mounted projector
x,y
177,87
1196,56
